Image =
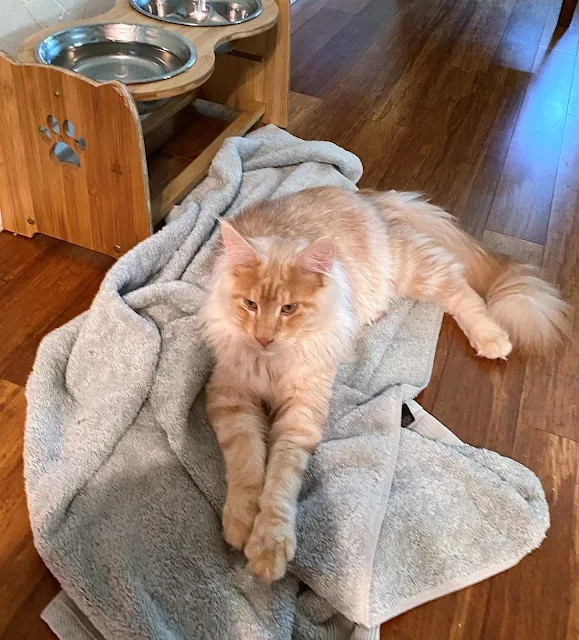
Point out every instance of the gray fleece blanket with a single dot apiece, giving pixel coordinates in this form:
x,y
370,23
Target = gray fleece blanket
x,y
125,479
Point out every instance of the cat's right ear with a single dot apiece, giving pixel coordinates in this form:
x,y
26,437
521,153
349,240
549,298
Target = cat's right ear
x,y
239,251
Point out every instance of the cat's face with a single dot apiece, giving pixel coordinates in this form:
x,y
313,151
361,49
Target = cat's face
x,y
277,299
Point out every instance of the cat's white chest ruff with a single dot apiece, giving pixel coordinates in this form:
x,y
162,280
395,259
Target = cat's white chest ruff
x,y
259,376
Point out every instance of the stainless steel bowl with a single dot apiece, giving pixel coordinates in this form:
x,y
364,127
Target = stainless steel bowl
x,y
148,106
129,53
200,13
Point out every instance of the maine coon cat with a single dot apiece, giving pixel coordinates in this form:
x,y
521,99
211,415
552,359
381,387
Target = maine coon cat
x,y
294,281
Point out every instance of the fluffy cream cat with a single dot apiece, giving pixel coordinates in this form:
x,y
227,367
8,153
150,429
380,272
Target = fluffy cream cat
x,y
294,281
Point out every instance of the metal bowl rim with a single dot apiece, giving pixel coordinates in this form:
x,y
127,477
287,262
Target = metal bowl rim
x,y
191,48
193,24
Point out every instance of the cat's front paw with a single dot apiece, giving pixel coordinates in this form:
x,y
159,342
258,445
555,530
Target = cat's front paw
x,y
271,546
238,517
492,346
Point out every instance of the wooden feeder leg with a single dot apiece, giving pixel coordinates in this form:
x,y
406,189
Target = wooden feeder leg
x,y
276,72
255,70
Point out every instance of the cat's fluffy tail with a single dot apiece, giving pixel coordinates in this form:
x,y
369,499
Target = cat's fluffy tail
x,y
530,309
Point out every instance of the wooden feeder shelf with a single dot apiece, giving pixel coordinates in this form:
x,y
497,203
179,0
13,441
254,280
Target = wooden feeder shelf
x,y
73,161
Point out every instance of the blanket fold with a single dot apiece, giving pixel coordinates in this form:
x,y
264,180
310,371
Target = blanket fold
x,y
125,480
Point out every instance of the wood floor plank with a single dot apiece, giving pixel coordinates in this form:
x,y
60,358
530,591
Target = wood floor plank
x,y
560,38
369,80
478,399
458,616
454,43
22,572
410,80
12,408
450,163
301,108
538,598
551,390
21,569
18,253
312,37
458,164
26,623
573,107
13,512
521,250
562,244
531,166
13,509
550,402
427,398
340,54
455,151
527,24
550,394
462,147
494,109
66,278
303,11
347,5
20,351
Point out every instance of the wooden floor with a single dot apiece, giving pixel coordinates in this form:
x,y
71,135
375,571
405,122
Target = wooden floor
x,y
475,103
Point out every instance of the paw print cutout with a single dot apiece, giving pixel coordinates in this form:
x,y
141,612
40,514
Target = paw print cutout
x,y
65,145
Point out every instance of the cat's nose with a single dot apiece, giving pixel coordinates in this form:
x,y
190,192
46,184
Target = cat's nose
x,y
264,341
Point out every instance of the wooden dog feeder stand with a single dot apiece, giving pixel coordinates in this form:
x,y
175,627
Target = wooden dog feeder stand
x,y
72,150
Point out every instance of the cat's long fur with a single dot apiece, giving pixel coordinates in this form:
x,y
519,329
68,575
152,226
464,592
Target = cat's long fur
x,y
342,258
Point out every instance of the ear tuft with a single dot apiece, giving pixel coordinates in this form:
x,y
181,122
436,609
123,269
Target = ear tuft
x,y
318,257
239,251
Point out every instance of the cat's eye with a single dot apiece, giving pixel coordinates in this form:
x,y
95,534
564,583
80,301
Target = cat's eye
x,y
288,309
250,304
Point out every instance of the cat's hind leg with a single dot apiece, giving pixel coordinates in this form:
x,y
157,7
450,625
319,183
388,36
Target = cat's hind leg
x,y
486,337
426,271
443,282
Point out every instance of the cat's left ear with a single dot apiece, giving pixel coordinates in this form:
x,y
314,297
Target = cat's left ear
x,y
318,257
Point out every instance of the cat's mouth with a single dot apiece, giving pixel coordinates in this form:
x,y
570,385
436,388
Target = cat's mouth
x,y
269,350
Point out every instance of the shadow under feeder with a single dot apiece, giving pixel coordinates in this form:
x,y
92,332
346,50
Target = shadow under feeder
x,y
73,151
